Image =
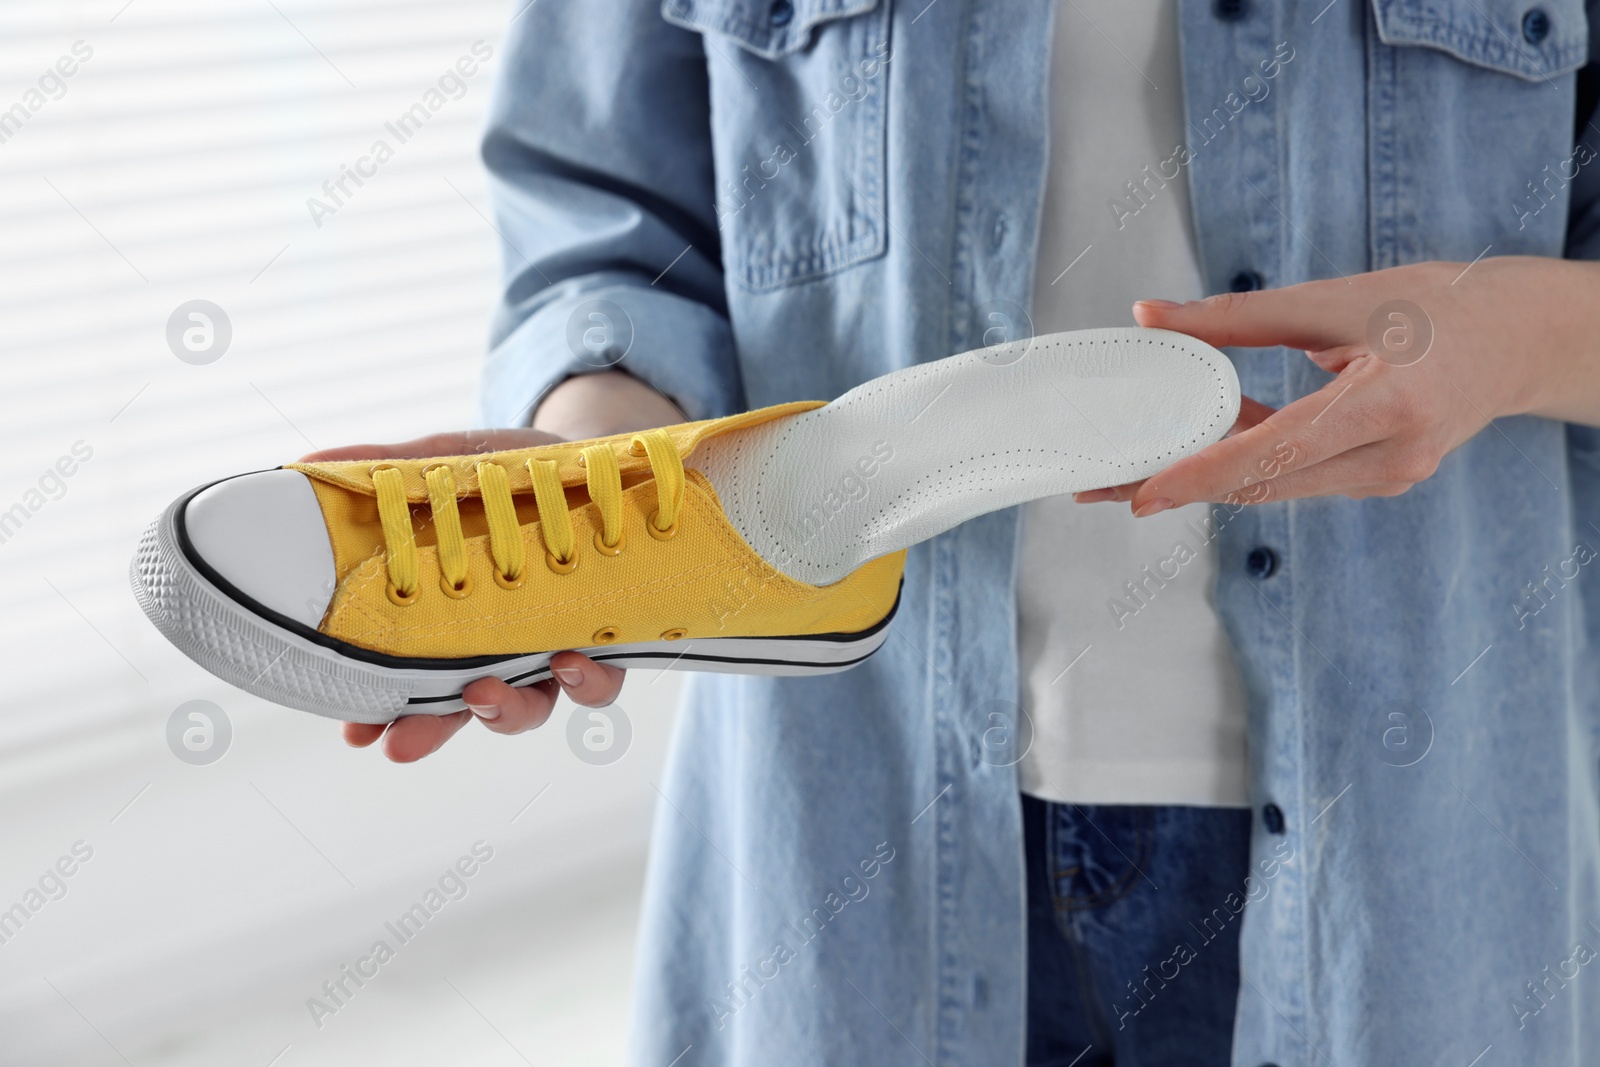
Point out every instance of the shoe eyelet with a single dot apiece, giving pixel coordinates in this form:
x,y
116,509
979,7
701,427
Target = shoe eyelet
x,y
400,601
637,449
508,583
430,468
456,592
660,535
373,470
604,549
560,566
675,634
605,635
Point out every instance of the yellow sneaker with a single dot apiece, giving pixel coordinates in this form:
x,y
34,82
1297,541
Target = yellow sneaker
x,y
770,542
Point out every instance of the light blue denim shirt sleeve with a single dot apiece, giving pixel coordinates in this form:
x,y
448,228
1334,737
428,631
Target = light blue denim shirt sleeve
x,y
600,164
788,197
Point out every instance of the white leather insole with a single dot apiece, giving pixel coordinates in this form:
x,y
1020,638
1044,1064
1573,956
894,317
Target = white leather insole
x,y
904,457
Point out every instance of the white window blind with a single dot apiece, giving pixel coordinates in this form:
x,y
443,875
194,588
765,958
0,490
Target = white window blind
x,y
175,164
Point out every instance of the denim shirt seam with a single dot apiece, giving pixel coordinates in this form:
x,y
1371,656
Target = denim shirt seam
x,y
759,38
1487,49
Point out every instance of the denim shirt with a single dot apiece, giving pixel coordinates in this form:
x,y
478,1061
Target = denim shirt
x,y
743,202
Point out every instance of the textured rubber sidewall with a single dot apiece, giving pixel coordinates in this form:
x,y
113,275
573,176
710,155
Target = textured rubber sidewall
x,y
250,652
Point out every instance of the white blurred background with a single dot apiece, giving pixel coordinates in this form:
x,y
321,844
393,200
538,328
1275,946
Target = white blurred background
x,y
175,164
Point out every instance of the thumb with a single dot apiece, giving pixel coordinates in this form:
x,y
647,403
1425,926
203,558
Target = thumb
x,y
1311,317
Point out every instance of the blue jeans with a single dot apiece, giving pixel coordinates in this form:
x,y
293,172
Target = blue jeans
x,y
1133,936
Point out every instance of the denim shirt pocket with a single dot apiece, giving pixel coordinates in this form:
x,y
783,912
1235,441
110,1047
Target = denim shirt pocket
x,y
1532,41
799,124
1493,79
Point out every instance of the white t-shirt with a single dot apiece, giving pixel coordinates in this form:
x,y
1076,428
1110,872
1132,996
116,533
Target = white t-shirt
x,y
1127,674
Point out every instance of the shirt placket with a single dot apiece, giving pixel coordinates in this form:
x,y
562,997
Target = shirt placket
x,y
986,282
1239,187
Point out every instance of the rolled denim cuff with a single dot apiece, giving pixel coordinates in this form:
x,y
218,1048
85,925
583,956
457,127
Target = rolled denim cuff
x,y
681,348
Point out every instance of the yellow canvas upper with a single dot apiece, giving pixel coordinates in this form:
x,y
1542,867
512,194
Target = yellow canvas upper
x,y
702,582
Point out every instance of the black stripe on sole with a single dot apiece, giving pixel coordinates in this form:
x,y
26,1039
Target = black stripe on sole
x,y
525,678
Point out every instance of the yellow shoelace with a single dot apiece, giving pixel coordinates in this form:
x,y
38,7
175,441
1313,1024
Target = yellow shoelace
x,y
506,545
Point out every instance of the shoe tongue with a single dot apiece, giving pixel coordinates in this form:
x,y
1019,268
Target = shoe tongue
x,y
356,475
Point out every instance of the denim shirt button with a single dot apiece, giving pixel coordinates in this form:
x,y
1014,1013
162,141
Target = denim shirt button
x,y
1245,281
997,234
781,13
1232,10
1535,25
1262,562
1272,818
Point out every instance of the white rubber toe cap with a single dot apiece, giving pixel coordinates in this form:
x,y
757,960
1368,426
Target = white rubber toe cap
x,y
264,535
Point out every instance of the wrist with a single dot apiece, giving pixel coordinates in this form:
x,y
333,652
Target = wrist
x,y
602,404
1559,346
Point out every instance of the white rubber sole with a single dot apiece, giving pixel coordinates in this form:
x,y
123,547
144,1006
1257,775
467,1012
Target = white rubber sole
x,y
297,667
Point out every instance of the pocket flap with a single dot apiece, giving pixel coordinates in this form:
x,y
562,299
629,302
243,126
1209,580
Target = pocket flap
x,y
769,28
1533,41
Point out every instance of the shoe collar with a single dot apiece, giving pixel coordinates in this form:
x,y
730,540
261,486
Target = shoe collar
x,y
356,475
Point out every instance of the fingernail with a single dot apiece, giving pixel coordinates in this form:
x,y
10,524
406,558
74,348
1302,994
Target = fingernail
x,y
568,676
1154,507
1159,305
486,712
